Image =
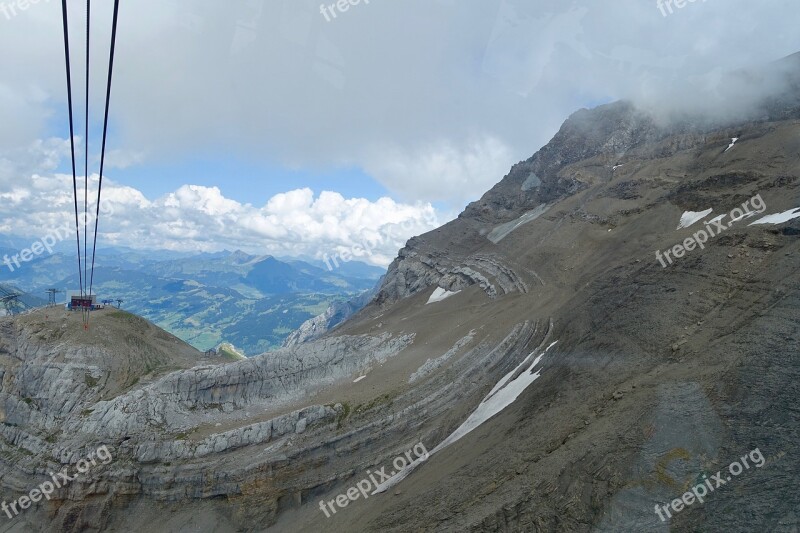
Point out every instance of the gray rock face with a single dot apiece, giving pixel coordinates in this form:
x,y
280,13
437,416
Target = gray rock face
x,y
607,133
254,434
531,182
276,378
336,313
44,392
163,433
416,272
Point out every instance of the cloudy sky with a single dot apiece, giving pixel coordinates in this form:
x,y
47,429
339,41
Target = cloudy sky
x,y
270,126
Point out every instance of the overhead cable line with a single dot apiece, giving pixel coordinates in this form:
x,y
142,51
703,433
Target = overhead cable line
x,y
86,278
72,138
105,132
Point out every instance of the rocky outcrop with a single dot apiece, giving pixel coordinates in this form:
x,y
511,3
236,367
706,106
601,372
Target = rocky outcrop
x,y
336,313
183,398
163,434
254,434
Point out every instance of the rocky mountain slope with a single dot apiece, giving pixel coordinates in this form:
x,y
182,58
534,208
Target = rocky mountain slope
x,y
566,353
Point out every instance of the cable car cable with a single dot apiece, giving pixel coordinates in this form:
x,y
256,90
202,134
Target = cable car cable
x,y
72,138
86,159
105,131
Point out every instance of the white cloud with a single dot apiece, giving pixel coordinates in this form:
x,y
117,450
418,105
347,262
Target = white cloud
x,y
441,170
39,156
198,218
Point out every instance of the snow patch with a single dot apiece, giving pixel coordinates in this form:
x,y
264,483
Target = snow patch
x,y
359,379
440,294
500,232
779,218
502,395
733,142
690,217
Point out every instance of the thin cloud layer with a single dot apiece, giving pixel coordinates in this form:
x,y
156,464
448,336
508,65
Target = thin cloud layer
x,y
195,218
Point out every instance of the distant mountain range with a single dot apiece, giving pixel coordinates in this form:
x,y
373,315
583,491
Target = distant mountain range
x,y
252,302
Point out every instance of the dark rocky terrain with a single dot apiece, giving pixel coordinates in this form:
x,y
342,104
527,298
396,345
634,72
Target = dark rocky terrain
x,y
648,377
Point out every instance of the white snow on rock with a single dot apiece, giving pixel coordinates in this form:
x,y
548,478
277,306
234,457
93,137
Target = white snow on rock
x,y
358,379
501,232
502,395
733,142
440,294
690,217
779,218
